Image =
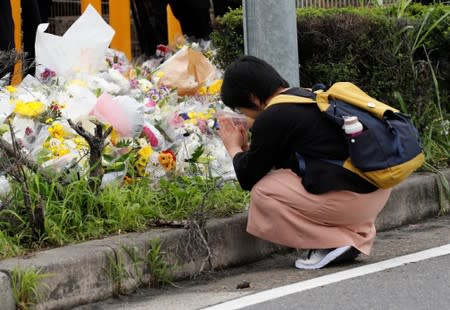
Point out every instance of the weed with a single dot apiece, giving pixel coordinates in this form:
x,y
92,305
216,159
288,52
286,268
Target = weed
x,y
137,260
25,284
8,246
160,271
116,272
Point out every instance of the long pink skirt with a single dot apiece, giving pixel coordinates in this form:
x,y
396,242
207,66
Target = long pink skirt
x,y
283,212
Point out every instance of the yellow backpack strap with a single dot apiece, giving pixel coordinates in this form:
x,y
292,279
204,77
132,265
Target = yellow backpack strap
x,y
289,99
349,92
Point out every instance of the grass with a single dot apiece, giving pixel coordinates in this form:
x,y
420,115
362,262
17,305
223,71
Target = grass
x,y
82,215
160,271
25,283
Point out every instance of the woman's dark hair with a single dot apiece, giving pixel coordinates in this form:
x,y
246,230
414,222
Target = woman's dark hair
x,y
249,75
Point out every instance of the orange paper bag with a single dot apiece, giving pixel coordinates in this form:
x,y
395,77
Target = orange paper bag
x,y
186,71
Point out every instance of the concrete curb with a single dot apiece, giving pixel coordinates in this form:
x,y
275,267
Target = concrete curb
x,y
84,273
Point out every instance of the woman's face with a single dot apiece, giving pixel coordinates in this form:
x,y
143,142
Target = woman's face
x,y
252,112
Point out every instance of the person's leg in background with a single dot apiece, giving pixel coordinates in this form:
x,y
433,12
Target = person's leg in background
x,y
150,20
44,9
31,18
193,16
6,38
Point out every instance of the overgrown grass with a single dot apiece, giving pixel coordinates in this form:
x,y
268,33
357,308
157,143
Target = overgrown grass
x,y
25,283
82,215
161,272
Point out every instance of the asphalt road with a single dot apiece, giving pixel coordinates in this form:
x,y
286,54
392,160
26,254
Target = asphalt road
x,y
385,280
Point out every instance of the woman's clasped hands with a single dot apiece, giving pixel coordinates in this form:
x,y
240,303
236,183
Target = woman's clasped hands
x,y
234,137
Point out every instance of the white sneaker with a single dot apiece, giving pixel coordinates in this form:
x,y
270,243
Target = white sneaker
x,y
319,258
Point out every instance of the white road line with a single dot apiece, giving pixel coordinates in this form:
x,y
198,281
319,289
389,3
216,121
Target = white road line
x,y
329,279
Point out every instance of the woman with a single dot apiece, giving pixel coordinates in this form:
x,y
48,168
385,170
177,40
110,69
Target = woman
x,y
321,206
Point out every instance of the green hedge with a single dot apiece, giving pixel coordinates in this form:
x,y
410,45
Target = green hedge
x,y
383,50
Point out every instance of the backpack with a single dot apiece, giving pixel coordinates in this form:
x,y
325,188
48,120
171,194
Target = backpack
x,y
389,148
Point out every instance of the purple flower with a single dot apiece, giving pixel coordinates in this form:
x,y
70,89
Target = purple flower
x,y
47,74
134,83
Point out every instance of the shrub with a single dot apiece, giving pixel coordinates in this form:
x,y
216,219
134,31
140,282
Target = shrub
x,y
397,54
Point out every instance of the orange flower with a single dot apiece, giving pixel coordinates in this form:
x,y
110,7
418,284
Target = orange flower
x,y
167,159
127,180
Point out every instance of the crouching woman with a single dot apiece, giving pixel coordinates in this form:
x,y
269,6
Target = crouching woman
x,y
298,199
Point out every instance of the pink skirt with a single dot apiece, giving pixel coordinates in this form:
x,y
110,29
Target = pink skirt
x,y
283,212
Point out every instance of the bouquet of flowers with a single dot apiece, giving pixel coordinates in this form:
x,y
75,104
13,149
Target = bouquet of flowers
x,y
155,131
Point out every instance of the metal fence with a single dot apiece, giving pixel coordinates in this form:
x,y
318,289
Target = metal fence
x,y
341,3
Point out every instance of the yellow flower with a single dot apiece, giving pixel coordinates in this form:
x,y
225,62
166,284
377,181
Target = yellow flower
x,y
215,87
159,74
81,143
59,150
211,113
11,89
57,131
202,90
141,171
49,120
145,151
114,137
29,109
201,115
141,162
192,121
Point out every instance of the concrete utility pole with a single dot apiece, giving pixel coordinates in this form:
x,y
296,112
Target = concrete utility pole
x,y
270,33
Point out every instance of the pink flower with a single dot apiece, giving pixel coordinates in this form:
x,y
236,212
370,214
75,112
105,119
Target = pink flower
x,y
47,74
54,107
150,104
151,137
176,121
28,131
134,83
202,125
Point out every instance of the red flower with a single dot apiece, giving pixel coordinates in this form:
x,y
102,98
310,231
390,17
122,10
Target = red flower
x,y
169,151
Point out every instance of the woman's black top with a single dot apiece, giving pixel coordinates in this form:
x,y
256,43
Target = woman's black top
x,y
281,131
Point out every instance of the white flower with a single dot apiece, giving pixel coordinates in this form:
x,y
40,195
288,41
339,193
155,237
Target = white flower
x,y
117,77
145,85
5,188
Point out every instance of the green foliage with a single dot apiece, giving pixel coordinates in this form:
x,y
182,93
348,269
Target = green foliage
x,y
25,284
116,272
9,245
229,37
81,214
398,54
161,272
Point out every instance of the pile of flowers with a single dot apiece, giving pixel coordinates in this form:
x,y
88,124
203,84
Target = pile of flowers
x,y
155,131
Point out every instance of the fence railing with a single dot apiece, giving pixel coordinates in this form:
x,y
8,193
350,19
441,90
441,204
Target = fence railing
x,y
340,3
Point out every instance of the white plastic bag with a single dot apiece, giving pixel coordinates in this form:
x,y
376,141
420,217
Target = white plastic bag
x,y
81,49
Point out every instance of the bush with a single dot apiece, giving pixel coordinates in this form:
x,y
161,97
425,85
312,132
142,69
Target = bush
x,y
397,54
351,44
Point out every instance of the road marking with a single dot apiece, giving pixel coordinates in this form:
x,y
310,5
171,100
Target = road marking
x,y
278,292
